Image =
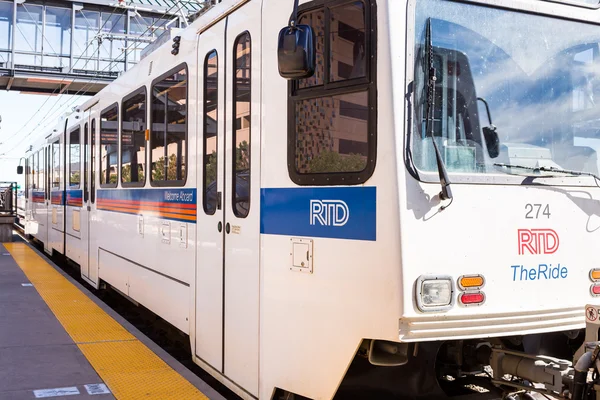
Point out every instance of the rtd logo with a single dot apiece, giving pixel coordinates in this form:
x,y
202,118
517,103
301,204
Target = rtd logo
x,y
537,241
329,212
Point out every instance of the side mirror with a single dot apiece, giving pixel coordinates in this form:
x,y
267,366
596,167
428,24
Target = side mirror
x,y
492,141
20,170
296,52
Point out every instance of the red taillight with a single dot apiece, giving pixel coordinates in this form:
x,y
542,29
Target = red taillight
x,y
595,289
475,298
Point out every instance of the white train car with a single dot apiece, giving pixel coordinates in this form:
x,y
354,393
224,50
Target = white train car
x,y
295,228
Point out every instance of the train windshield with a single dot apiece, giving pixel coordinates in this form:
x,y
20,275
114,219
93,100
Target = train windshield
x,y
538,75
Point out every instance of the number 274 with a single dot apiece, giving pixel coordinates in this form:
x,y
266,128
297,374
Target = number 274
x,y
533,211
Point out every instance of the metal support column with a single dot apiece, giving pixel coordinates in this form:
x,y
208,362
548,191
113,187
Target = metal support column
x,y
43,35
127,31
72,37
14,34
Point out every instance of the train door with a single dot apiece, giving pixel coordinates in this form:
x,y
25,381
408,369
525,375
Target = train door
x,y
211,143
227,286
241,201
47,209
56,214
85,194
90,202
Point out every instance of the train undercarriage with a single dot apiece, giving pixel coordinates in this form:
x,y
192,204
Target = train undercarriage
x,y
560,365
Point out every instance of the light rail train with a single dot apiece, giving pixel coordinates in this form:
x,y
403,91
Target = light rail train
x,y
329,209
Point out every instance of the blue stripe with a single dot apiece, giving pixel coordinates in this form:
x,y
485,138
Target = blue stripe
x,y
75,193
332,212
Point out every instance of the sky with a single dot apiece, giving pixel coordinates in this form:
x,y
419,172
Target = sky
x,y
26,118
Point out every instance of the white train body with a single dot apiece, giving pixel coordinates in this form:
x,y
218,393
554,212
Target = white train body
x,y
279,271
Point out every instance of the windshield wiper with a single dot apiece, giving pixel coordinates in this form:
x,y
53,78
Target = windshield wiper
x,y
446,193
550,169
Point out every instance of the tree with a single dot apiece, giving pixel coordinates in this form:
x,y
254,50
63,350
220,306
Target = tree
x,y
242,156
126,173
74,180
158,169
211,168
331,161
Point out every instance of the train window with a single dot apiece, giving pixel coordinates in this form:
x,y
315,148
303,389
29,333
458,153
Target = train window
x,y
241,131
168,132
316,19
33,171
133,139
74,159
85,161
211,96
332,133
36,170
48,164
29,171
109,146
347,41
56,170
41,170
93,162
27,177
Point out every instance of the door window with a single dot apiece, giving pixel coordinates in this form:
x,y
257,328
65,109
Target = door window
x,y
211,97
242,80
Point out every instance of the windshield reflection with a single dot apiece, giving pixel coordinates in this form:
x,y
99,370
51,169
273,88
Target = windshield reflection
x,y
539,76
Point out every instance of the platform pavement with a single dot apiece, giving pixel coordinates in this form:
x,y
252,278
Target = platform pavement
x,y
37,353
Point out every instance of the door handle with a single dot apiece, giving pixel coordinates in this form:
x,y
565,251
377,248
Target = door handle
x,y
220,226
227,228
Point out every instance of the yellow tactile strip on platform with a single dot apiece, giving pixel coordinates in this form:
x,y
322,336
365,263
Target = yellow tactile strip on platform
x,y
129,368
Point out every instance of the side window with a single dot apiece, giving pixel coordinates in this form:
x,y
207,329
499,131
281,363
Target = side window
x,y
241,129
133,139
211,97
41,169
27,177
30,169
56,175
168,132
74,159
85,161
109,146
48,171
332,132
34,167
93,163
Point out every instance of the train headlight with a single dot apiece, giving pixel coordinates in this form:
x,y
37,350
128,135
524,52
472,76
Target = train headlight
x,y
434,293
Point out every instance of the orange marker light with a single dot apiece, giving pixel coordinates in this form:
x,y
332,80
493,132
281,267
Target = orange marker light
x,y
470,282
595,274
471,298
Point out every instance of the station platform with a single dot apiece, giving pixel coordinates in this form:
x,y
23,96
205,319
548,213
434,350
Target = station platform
x,y
58,341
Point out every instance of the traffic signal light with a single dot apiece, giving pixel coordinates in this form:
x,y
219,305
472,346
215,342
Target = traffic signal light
x,y
175,46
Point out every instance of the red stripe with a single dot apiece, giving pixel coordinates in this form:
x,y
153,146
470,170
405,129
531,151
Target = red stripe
x,y
134,207
162,214
138,202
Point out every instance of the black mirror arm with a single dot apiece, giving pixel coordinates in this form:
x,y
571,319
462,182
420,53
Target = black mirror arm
x,y
294,17
487,109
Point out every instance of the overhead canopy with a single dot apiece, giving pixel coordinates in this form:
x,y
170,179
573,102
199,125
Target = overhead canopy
x,y
79,46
